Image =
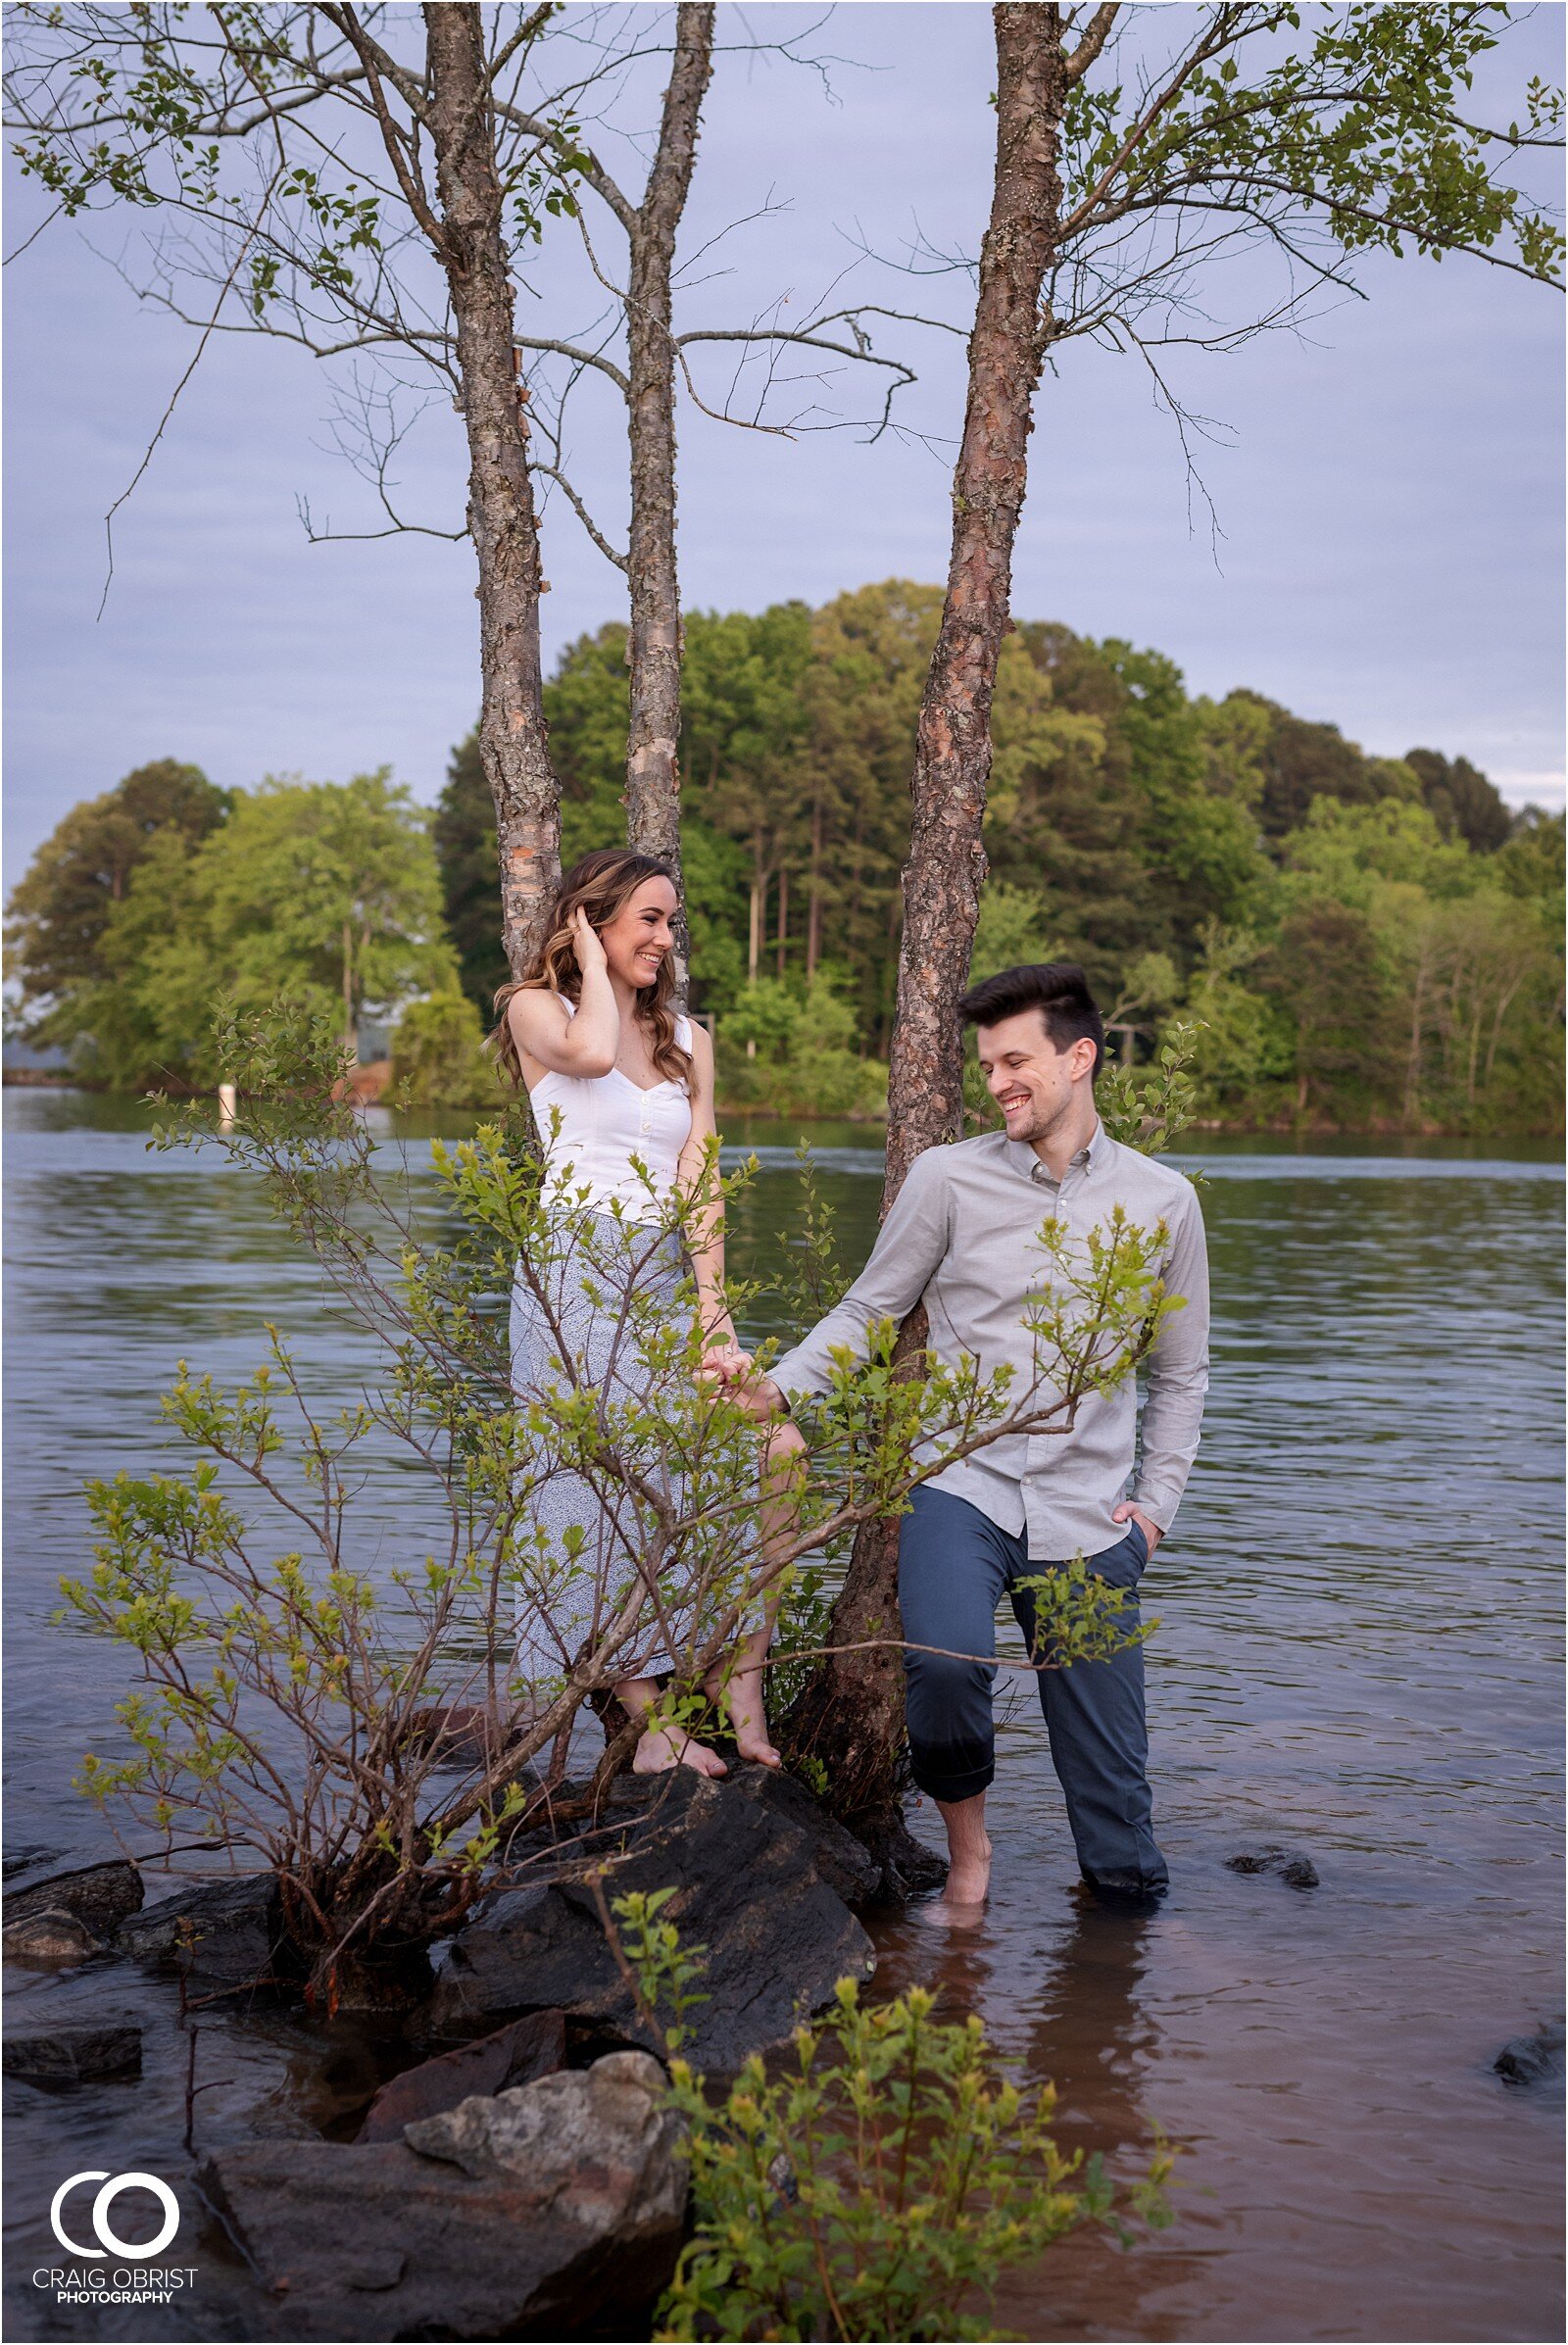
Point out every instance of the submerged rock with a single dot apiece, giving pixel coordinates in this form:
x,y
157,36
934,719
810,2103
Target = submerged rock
x,y
1291,1865
529,2048
747,1889
225,1931
541,2212
1533,2060
23,1859
99,1896
69,2055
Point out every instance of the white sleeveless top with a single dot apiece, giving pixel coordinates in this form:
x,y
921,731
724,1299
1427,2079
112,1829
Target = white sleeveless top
x,y
604,1120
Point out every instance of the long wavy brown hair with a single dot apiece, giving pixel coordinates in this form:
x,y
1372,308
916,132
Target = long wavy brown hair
x,y
600,883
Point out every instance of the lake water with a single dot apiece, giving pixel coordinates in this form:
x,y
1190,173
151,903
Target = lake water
x,y
1357,1656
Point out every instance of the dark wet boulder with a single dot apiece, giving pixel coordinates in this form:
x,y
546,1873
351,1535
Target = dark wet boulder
x,y
100,1896
746,1888
223,1932
1292,1866
1534,2060
845,1863
541,2212
72,2054
515,2055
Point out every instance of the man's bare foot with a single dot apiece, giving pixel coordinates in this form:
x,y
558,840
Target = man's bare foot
x,y
943,1914
754,1746
962,1903
664,1747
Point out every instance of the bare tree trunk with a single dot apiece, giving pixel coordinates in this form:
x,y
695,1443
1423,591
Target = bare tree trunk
x,y
1412,1069
501,507
813,914
350,1040
758,913
652,780
851,1715
782,939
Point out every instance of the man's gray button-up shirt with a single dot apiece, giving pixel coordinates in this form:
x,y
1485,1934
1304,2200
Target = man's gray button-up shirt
x,y
964,1237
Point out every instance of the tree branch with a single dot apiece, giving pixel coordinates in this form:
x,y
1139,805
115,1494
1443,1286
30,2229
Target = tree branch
x,y
551,472
413,187
1093,40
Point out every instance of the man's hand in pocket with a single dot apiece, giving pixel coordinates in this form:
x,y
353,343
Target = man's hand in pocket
x,y
1126,1512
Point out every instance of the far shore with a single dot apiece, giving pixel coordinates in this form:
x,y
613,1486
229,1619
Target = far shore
x,y
370,1082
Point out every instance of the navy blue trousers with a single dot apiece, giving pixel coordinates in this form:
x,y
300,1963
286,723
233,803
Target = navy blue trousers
x,y
955,1565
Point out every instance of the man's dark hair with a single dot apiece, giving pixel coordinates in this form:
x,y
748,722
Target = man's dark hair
x,y
1058,989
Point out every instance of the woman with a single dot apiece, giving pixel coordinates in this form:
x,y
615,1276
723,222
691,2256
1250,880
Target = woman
x,y
614,1073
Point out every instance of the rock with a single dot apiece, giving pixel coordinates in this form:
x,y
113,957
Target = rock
x,y
101,1896
746,1888
516,2055
845,1863
552,2206
69,2055
22,1860
1533,2060
598,2145
1255,1860
48,1938
1297,1870
233,1928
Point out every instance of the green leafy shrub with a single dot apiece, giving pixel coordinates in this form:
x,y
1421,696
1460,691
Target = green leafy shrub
x,y
805,1060
880,2181
877,2187
438,1054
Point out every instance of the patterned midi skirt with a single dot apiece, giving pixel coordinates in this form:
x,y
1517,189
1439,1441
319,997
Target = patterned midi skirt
x,y
577,1334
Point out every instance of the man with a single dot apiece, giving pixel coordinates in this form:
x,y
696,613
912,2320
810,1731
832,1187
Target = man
x,y
964,1235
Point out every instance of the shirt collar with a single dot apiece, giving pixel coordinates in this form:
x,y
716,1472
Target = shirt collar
x,y
1090,1157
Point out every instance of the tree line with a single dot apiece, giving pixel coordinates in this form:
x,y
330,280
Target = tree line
x,y
1361,942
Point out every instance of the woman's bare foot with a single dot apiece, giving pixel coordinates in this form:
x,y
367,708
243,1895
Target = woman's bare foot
x,y
664,1747
741,1695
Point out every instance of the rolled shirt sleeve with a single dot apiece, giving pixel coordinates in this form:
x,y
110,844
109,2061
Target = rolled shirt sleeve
x,y
1177,1373
912,1244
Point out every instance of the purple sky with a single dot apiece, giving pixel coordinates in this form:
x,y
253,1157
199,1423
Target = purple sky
x,y
1389,490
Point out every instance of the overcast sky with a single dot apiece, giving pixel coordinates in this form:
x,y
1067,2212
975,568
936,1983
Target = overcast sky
x,y
1387,487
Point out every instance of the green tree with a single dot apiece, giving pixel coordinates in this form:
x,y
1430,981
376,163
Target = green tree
x,y
1466,804
1329,976
463,831
326,892
60,907
330,884
438,1054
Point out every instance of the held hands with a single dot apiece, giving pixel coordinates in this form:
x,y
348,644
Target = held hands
x,y
1126,1512
725,1363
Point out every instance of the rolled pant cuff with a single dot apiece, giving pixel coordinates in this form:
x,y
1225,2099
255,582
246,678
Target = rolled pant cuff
x,y
950,1784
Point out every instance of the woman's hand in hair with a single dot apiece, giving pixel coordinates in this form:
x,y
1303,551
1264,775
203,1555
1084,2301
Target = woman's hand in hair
x,y
586,944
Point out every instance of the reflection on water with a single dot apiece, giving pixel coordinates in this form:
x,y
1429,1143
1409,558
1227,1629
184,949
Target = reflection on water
x,y
1356,1655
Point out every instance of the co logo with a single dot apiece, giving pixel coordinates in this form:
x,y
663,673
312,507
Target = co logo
x,y
108,2243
